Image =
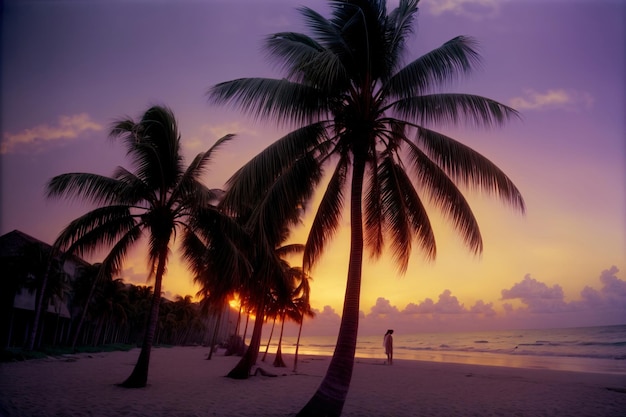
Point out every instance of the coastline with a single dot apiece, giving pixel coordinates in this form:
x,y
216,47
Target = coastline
x,y
183,383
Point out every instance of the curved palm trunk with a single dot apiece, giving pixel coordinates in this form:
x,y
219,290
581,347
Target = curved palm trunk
x,y
330,397
267,347
39,306
83,314
278,360
295,358
248,360
238,321
245,331
139,377
216,330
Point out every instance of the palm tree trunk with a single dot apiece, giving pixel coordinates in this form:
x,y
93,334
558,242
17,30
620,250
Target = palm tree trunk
x,y
32,339
238,321
267,347
216,329
278,360
248,360
245,330
139,377
84,312
295,358
330,397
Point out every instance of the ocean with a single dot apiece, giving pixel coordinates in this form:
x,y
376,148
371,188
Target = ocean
x,y
585,349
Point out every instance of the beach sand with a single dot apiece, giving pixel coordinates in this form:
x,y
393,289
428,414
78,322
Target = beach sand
x,y
182,383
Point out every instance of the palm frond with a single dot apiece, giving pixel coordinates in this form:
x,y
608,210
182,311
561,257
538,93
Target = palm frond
x,y
453,109
96,229
326,221
132,189
470,168
281,100
394,211
189,188
374,218
113,262
437,68
399,26
153,144
417,219
94,188
291,249
306,61
447,197
327,32
247,186
282,203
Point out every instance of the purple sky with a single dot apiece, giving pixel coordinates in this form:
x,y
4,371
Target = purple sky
x,y
70,68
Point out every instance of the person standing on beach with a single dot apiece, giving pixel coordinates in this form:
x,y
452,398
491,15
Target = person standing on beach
x,y
388,345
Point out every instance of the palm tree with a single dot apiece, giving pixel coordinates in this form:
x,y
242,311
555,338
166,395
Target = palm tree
x,y
138,307
50,279
358,109
23,270
85,285
261,274
156,200
303,308
292,307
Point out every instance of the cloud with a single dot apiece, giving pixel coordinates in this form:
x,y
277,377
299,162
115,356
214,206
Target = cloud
x,y
538,305
486,309
538,297
447,304
613,287
552,99
476,9
383,308
68,127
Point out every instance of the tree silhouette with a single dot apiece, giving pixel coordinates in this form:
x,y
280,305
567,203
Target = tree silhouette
x,y
357,109
157,199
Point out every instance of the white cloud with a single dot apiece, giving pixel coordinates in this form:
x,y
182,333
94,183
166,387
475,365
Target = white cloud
x,y
68,127
552,99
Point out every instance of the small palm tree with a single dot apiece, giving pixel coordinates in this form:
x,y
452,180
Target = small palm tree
x,y
303,308
293,306
154,201
85,285
358,109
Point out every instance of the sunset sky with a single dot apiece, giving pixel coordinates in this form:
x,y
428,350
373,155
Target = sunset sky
x,y
70,68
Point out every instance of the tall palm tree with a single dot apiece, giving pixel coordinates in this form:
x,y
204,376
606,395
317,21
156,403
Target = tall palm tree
x,y
359,110
155,200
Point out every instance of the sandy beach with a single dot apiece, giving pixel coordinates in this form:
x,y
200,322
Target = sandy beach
x,y
182,383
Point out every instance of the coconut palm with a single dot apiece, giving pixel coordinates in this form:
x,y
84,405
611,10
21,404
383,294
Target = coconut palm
x,y
266,223
52,284
303,308
85,285
293,307
154,201
358,109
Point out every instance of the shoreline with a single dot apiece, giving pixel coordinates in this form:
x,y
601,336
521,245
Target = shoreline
x,y
521,361
183,383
